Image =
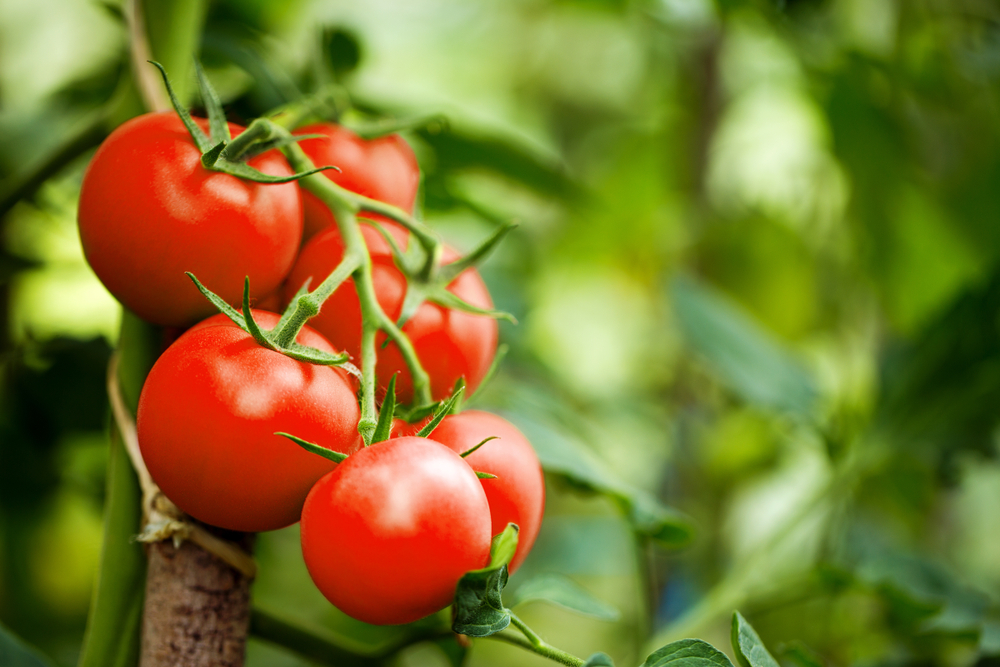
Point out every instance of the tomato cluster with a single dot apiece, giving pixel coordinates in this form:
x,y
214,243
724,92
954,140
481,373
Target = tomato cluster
x,y
389,529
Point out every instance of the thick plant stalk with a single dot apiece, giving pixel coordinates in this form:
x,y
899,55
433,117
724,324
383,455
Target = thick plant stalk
x,y
197,609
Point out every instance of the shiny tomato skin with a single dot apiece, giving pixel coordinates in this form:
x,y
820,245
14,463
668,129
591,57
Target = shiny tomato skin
x,y
384,169
149,211
517,495
207,417
450,344
387,535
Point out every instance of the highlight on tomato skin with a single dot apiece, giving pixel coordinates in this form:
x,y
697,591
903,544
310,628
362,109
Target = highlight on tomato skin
x,y
149,211
449,343
384,169
387,534
208,414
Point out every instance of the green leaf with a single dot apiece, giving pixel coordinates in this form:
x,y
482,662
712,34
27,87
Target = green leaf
x,y
749,649
478,607
800,654
687,653
15,653
564,456
748,358
564,592
599,660
200,139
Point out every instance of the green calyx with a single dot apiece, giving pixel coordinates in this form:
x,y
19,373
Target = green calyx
x,y
219,151
282,337
428,281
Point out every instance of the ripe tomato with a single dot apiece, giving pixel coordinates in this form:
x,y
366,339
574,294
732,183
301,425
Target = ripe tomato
x,y
517,495
450,344
207,417
384,169
387,535
149,211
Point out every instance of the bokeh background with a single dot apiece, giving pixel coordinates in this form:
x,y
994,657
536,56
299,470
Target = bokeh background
x,y
756,277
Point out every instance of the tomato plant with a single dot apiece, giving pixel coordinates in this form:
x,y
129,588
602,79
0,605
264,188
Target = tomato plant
x,y
450,343
383,168
517,493
207,417
387,535
150,211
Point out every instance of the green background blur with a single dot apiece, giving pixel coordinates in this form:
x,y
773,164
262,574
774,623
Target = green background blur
x,y
756,275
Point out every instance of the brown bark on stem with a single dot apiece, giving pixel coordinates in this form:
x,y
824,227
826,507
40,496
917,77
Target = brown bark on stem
x,y
197,609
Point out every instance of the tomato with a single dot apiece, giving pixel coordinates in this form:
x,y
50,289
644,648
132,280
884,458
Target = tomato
x,y
149,211
387,535
207,417
517,494
450,344
384,169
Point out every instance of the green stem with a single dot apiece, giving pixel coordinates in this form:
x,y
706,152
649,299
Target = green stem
x,y
309,304
260,130
344,204
535,643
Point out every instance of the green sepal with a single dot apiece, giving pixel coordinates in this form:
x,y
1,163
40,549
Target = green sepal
x,y
478,608
217,125
442,411
687,653
265,146
252,327
484,441
313,448
220,303
313,355
397,253
484,475
211,158
747,645
383,429
417,413
490,374
599,660
246,172
444,297
416,294
199,137
451,270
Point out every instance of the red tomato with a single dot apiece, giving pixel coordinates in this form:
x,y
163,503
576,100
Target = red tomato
x,y
450,344
207,417
517,495
149,212
387,535
384,169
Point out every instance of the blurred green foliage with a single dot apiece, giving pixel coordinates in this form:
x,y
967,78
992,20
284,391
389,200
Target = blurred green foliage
x,y
756,276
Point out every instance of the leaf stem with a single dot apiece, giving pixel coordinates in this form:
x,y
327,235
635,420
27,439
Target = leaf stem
x,y
309,304
535,644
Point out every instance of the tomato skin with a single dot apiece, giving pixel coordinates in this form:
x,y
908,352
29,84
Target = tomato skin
x,y
384,169
149,211
517,495
207,417
450,344
387,535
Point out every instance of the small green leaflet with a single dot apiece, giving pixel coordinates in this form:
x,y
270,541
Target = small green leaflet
x,y
687,653
15,653
749,649
745,355
479,609
564,592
